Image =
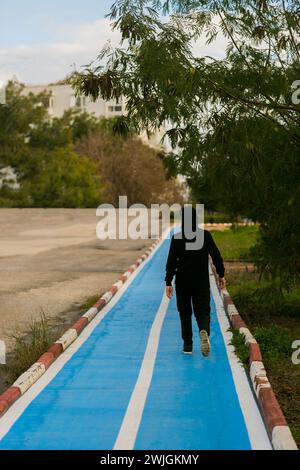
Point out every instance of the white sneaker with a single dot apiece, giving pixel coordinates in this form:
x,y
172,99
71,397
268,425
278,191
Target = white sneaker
x,y
205,343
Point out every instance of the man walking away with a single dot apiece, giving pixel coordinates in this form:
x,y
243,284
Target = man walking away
x,y
190,268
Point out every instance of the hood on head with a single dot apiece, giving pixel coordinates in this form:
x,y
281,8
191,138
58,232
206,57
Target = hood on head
x,y
189,217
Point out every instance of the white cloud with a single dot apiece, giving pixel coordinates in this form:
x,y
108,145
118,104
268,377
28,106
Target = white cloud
x,y
217,49
75,45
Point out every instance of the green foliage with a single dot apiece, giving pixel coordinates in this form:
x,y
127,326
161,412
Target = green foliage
x,y
212,217
17,119
40,152
76,160
255,169
264,301
59,132
128,167
62,179
235,129
117,126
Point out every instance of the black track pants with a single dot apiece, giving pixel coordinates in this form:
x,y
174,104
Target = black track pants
x,y
191,299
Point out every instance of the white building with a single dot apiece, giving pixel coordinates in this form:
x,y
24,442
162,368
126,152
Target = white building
x,y
8,177
62,98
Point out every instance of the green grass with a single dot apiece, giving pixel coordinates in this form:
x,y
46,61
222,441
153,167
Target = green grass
x,y
89,302
242,351
235,243
28,348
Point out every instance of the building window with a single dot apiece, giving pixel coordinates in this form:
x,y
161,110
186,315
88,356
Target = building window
x,y
114,109
72,101
78,102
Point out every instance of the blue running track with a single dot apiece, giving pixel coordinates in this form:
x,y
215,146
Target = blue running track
x,y
192,402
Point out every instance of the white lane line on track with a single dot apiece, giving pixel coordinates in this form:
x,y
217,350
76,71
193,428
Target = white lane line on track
x,y
132,419
254,423
18,408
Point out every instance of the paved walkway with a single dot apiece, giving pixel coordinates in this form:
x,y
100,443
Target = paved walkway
x,y
124,383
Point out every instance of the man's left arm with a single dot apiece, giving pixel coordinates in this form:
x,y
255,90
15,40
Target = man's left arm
x,y
217,260
171,268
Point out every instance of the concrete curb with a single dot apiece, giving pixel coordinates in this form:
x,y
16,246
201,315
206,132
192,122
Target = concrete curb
x,y
28,378
274,419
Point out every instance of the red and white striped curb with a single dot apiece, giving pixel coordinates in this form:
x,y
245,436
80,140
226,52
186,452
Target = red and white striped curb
x,y
276,425
28,378
227,224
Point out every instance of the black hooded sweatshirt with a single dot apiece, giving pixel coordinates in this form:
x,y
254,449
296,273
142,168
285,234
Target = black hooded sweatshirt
x,y
191,266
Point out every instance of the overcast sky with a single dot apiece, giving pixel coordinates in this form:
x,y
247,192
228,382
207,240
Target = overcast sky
x,y
41,41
